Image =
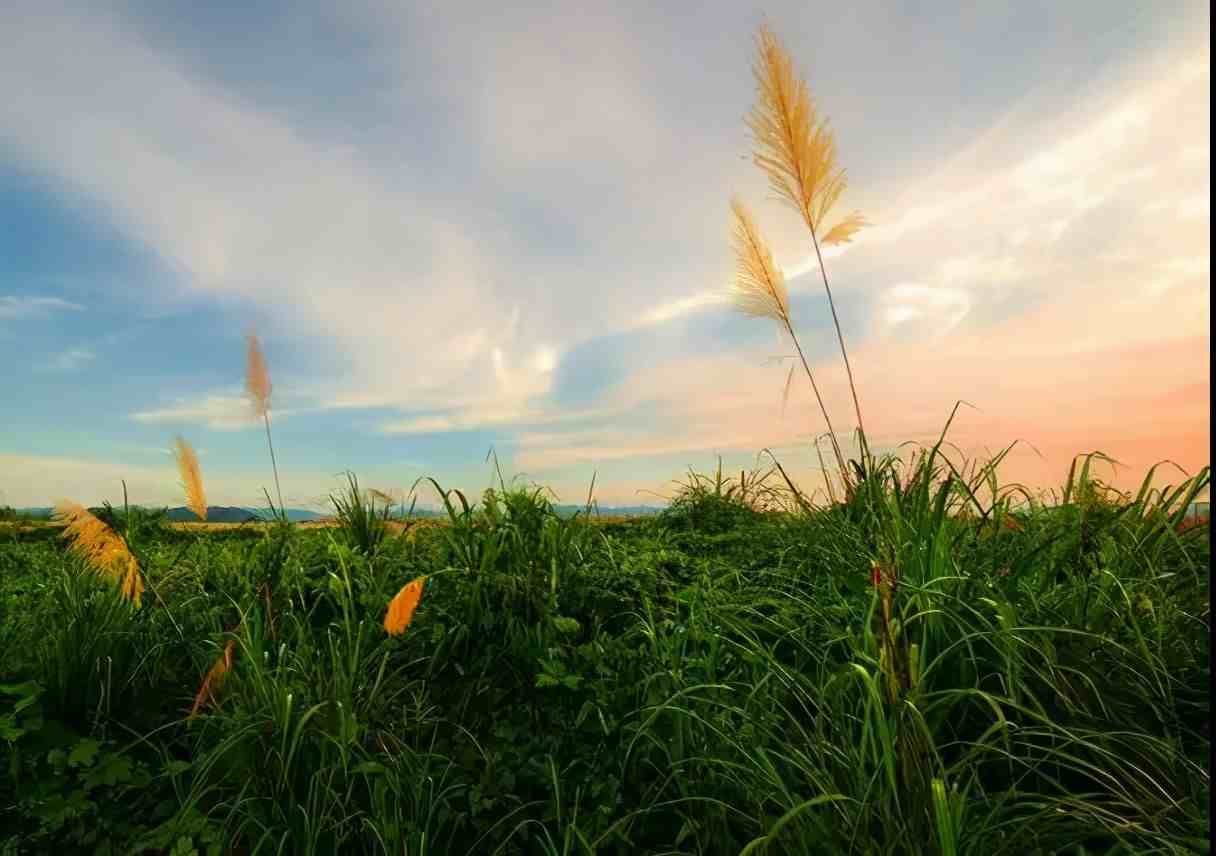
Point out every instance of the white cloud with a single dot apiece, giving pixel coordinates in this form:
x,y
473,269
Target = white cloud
x,y
940,308
578,199
41,480
13,307
69,361
221,412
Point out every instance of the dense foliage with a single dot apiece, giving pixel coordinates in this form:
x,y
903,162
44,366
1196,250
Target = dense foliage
x,y
923,668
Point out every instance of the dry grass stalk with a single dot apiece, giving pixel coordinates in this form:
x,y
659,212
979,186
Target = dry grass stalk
x,y
100,547
759,291
797,151
794,146
257,385
214,678
759,284
192,477
401,607
257,378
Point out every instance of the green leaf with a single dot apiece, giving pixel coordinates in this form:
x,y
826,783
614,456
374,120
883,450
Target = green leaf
x,y
84,753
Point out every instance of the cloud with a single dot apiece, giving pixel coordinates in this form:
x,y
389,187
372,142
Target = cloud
x,y
220,412
22,307
69,361
533,183
939,310
1031,282
45,479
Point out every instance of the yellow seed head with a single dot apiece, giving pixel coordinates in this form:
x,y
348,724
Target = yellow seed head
x,y
215,677
759,288
793,145
257,378
401,607
192,477
100,547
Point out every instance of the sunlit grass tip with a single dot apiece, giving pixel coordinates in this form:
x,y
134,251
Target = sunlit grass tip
x,y
795,146
100,547
214,678
257,378
759,286
401,607
192,477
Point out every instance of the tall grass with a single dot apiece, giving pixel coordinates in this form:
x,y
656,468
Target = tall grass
x,y
796,149
258,388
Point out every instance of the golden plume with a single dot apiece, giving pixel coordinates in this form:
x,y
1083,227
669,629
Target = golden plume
x,y
257,379
401,608
192,477
759,285
844,231
794,146
215,677
100,547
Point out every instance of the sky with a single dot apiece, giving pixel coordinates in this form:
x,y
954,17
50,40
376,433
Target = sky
x,y
461,227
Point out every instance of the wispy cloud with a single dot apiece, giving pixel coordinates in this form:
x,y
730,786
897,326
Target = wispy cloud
x,y
41,480
73,359
221,412
20,307
538,188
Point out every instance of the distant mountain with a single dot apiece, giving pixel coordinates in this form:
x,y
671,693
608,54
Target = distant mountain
x,y
609,510
36,513
215,514
235,514
239,514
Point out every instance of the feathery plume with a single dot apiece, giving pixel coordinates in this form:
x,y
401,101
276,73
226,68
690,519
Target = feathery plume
x,y
257,379
844,231
797,150
794,146
192,477
257,384
401,607
760,292
785,395
383,496
759,285
100,547
215,677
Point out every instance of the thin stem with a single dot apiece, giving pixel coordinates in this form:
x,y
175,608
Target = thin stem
x,y
806,367
826,478
840,338
273,465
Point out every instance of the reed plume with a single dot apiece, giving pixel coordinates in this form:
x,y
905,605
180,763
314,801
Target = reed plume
x,y
760,292
192,477
401,607
214,678
797,150
100,547
257,385
257,378
759,284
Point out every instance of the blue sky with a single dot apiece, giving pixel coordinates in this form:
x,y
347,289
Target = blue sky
x,y
461,226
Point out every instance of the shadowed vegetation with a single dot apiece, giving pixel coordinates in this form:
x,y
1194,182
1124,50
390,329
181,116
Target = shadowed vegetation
x,y
937,666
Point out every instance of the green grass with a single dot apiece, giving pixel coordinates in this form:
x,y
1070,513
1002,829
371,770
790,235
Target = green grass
x,y
722,678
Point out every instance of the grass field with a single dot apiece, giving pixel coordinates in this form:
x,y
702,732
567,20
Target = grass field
x,y
914,670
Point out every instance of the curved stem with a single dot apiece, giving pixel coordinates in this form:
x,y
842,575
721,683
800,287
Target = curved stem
x,y
840,338
806,367
273,465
